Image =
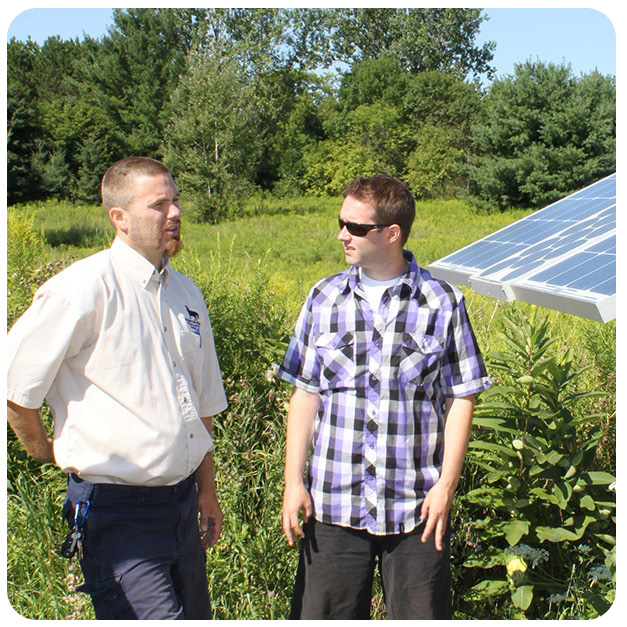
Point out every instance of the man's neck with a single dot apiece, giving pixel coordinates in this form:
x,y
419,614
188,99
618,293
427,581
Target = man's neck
x,y
392,269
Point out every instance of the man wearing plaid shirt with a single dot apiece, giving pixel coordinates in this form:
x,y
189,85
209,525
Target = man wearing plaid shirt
x,y
385,367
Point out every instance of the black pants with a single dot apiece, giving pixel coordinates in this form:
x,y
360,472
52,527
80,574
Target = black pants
x,y
336,569
142,555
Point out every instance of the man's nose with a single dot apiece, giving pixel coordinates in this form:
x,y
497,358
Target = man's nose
x,y
343,235
174,211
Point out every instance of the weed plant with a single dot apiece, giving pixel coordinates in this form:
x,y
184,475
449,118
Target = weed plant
x,y
542,497
255,273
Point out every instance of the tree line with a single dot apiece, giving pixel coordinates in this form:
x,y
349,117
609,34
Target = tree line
x,y
299,101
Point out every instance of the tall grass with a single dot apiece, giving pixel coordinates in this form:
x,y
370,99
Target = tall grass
x,y
255,272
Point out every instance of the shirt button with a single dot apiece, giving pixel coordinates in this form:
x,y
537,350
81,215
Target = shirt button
x,y
191,436
165,329
186,400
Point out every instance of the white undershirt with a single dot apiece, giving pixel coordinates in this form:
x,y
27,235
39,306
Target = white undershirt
x,y
374,289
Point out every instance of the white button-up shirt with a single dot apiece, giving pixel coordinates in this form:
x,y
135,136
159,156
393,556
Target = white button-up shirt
x,y
125,357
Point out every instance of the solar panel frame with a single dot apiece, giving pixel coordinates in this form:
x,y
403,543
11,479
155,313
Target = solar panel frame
x,y
531,259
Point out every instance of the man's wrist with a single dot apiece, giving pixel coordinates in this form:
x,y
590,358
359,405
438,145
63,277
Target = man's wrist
x,y
449,483
294,482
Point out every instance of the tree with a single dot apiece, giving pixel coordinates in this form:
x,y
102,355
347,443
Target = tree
x,y
212,144
23,127
546,134
132,73
422,39
441,110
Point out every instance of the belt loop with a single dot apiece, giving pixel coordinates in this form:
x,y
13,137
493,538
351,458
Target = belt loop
x,y
85,489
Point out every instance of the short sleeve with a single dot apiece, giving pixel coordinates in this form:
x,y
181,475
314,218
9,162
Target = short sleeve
x,y
463,370
301,366
51,330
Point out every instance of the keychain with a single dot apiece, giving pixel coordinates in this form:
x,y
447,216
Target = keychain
x,y
73,542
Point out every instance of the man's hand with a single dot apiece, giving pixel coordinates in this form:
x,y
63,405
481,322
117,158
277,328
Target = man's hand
x,y
296,499
210,518
437,503
435,509
300,428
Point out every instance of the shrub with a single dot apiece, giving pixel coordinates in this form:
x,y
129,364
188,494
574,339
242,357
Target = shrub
x,y
543,515
251,569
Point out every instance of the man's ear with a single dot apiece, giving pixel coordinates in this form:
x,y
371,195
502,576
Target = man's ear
x,y
394,233
119,219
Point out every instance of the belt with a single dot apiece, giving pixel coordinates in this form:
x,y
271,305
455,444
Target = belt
x,y
120,489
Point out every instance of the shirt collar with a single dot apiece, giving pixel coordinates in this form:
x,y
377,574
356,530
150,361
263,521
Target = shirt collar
x,y
135,263
412,277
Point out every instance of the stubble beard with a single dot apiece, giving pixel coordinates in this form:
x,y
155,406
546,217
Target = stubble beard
x,y
173,247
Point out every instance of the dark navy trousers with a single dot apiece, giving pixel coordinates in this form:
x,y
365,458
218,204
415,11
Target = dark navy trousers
x,y
142,556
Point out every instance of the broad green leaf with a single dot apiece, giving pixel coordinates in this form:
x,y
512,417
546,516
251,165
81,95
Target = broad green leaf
x,y
562,491
515,530
559,534
491,587
598,478
491,446
571,472
487,559
553,457
522,597
496,424
555,534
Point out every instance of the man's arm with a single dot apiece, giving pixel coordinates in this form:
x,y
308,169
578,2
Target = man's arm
x,y
301,420
437,503
210,513
30,431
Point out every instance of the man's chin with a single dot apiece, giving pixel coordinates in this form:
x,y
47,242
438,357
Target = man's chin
x,y
173,247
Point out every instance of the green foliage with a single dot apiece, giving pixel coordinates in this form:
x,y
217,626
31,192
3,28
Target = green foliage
x,y
40,583
255,273
234,99
211,144
546,134
432,164
25,254
422,39
251,331
541,499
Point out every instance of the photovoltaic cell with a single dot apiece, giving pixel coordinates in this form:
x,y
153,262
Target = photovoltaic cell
x,y
562,256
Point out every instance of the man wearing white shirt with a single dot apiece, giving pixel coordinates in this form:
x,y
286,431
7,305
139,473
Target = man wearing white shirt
x,y
120,346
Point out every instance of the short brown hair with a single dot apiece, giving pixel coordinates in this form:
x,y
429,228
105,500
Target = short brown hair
x,y
391,200
116,186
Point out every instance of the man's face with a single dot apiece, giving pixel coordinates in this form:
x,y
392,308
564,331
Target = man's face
x,y
368,252
152,220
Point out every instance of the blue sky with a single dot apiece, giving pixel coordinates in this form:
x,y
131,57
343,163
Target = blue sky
x,y
583,37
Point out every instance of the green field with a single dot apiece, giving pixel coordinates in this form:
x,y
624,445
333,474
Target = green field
x,y
255,272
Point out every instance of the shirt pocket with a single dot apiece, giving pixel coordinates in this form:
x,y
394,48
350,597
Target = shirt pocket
x,y
191,348
336,352
420,359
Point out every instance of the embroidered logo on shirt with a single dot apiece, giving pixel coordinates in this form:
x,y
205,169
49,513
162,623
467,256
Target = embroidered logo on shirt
x,y
193,322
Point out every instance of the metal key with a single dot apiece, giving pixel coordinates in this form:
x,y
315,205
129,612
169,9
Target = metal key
x,y
72,543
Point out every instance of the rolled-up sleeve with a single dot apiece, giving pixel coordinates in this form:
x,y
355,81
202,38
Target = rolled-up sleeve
x,y
301,366
463,370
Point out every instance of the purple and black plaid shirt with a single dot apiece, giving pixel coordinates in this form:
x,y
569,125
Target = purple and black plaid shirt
x,y
383,377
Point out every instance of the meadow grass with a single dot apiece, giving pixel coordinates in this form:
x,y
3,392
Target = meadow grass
x,y
255,271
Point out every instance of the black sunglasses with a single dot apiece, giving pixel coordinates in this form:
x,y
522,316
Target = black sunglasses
x,y
359,230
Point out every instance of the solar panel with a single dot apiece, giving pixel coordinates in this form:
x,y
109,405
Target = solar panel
x,y
562,257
